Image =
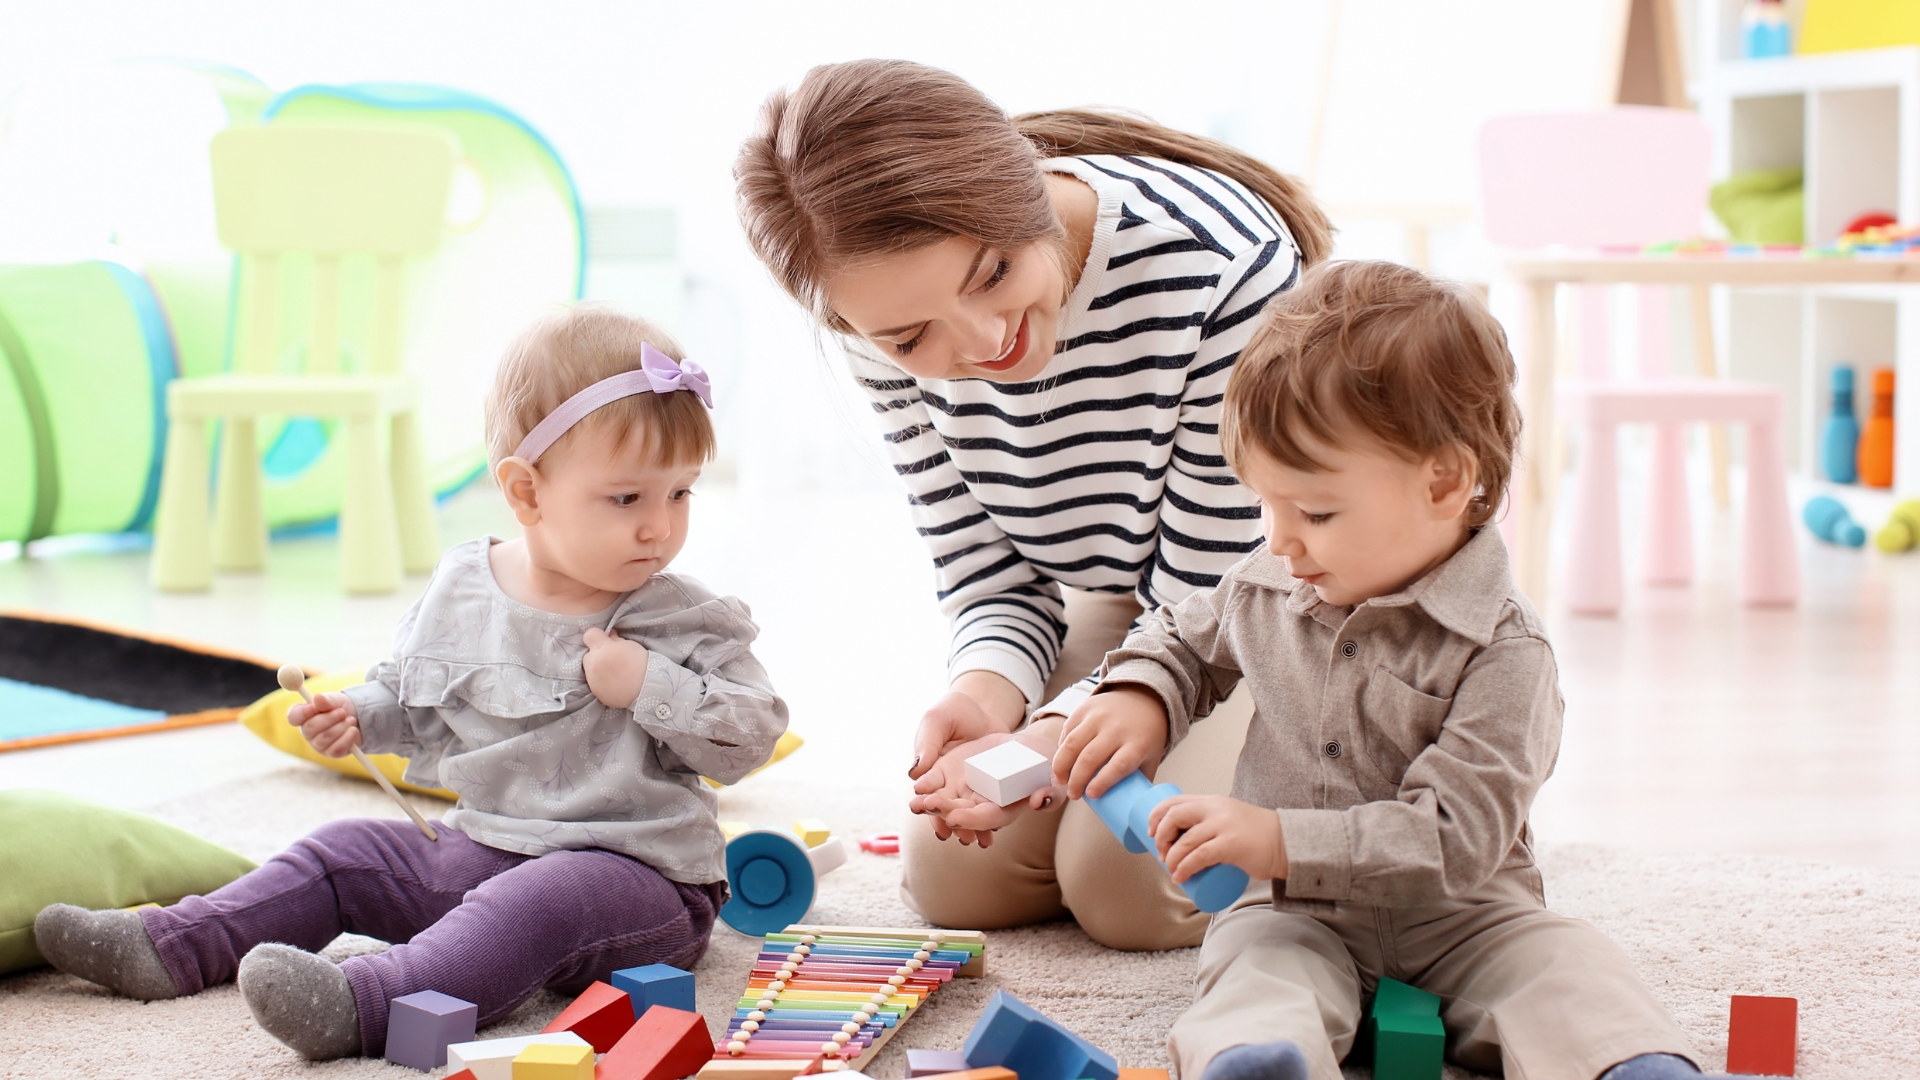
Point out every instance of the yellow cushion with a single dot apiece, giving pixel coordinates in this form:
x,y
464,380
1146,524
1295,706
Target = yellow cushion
x,y
267,718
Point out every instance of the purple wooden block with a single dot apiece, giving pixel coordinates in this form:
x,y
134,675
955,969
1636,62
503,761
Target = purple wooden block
x,y
421,1026
935,1062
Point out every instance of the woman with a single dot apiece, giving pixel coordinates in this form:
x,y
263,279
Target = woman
x,y
1044,311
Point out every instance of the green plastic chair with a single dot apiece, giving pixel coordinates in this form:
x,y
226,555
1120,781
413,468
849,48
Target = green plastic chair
x,y
332,197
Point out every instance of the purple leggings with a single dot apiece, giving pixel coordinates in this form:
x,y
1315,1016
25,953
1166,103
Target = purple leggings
x,y
487,926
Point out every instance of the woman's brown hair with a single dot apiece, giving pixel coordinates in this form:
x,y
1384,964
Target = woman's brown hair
x,y
874,157
1382,350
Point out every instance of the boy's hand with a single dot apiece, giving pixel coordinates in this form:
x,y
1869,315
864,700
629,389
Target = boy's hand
x,y
1110,735
329,723
942,791
1194,832
616,668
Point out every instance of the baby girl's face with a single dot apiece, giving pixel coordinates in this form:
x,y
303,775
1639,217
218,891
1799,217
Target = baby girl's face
x,y
609,517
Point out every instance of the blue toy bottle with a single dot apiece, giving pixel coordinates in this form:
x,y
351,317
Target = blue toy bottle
x,y
1830,521
1841,435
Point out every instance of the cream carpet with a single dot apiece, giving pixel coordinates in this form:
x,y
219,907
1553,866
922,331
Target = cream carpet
x,y
1845,942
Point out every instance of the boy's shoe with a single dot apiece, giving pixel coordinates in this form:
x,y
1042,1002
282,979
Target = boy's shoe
x,y
1279,1060
301,999
106,947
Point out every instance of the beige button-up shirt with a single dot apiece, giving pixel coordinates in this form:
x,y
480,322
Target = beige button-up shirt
x,y
1402,740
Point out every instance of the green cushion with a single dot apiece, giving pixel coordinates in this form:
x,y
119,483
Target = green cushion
x,y
57,849
1765,206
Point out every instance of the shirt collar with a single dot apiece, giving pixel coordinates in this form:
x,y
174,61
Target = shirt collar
x,y
1466,594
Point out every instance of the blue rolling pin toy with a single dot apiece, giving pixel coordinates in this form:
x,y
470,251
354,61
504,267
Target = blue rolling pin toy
x,y
1125,809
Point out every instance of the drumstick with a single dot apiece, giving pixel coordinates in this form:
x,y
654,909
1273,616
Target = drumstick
x,y
292,678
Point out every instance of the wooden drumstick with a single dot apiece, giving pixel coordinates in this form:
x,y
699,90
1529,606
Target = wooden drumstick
x,y
292,678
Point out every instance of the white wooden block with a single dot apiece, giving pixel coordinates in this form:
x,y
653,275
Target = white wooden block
x,y
492,1059
1008,773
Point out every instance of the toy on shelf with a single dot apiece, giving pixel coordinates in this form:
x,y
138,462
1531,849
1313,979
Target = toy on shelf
x,y
1902,530
827,997
1402,1034
548,1061
1840,438
492,1059
655,984
292,678
772,878
1830,521
421,1026
812,831
1125,809
935,1063
1762,1035
1014,1035
886,843
1876,439
1008,772
665,1044
600,1015
1764,30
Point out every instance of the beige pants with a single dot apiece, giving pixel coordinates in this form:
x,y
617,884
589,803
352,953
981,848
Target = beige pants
x,y
1046,865
1541,996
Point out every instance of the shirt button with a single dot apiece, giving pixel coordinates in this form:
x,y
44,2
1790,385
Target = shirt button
x,y
1349,650
1333,749
663,710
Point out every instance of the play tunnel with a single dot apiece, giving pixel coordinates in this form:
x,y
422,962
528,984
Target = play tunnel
x,y
90,343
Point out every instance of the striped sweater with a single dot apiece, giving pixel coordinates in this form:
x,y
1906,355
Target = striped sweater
x,y
1105,473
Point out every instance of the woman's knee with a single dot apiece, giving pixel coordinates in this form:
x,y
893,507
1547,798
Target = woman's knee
x,y
1122,900
1009,883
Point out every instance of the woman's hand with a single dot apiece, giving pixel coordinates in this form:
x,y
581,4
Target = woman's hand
x,y
616,668
1110,735
977,704
958,812
1194,832
329,723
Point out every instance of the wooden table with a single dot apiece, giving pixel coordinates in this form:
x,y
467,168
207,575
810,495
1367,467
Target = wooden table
x,y
1532,486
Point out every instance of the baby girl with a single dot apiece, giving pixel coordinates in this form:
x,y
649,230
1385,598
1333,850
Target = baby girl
x,y
563,684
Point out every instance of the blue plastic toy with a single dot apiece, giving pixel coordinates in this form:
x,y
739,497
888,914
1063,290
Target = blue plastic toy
x,y
421,1026
1840,438
656,984
1014,1035
772,878
1830,522
1125,809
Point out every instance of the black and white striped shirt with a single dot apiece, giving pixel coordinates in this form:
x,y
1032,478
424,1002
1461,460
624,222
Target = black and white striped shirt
x,y
1105,473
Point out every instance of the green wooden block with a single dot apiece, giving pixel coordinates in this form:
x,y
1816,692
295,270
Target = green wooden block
x,y
1408,1047
1395,998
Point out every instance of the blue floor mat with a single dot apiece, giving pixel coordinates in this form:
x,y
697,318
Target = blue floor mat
x,y
26,709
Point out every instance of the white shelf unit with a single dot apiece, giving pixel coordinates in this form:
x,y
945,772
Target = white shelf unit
x,y
1851,122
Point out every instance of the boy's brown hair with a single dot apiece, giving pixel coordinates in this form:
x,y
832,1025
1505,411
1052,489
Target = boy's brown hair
x,y
1418,363
570,350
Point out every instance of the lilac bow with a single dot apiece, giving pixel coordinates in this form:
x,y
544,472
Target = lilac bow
x,y
658,374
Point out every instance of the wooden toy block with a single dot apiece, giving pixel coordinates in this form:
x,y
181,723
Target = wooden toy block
x,y
812,831
664,1044
1408,1047
935,1062
1763,1035
1017,1036
759,1068
1143,1074
492,1059
656,984
600,1015
421,1026
545,1061
1391,998
992,1072
1008,773
463,1074
1126,809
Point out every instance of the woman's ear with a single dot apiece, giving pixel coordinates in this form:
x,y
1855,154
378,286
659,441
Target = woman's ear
x,y
519,483
1453,475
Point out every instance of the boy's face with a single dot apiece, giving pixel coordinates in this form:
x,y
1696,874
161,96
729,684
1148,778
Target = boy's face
x,y
1369,524
607,518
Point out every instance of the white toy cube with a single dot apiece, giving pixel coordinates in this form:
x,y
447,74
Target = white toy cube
x,y
1008,773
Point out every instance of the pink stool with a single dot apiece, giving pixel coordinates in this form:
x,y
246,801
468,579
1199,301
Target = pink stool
x,y
1770,567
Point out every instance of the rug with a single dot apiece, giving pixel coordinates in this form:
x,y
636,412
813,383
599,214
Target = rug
x,y
1846,942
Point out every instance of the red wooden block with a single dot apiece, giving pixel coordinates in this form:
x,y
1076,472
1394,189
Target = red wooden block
x,y
463,1074
601,1016
1762,1035
664,1044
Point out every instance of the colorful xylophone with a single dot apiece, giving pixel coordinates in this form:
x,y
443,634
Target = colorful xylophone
x,y
829,997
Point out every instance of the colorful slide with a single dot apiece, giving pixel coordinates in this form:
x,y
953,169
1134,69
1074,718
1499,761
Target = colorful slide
x,y
112,282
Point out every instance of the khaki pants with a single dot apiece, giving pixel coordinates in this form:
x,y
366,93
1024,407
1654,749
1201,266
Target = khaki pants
x,y
1523,990
1054,863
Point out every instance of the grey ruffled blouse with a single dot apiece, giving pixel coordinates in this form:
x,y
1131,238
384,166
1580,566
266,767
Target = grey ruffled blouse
x,y
487,697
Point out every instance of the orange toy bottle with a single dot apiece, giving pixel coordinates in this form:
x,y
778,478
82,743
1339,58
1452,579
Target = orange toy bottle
x,y
1876,438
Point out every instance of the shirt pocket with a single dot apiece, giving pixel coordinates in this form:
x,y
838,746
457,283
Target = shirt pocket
x,y
1399,722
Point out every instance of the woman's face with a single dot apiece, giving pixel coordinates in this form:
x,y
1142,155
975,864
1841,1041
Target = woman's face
x,y
959,309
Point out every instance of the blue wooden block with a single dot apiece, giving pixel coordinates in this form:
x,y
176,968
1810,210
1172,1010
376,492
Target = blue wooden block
x,y
935,1062
1125,808
1014,1035
421,1026
656,984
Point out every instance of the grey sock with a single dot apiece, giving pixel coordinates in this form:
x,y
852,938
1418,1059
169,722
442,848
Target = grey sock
x,y
1278,1060
301,999
1657,1067
106,947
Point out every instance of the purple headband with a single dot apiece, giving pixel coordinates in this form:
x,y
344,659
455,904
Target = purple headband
x,y
657,374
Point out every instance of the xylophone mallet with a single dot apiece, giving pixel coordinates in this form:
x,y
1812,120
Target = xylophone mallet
x,y
292,678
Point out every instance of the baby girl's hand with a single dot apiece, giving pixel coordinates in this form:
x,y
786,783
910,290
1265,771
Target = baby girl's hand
x,y
1196,831
329,723
616,668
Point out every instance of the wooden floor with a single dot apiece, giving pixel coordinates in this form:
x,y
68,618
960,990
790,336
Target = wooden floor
x,y
1693,724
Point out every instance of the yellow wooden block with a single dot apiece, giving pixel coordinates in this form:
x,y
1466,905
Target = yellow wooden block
x,y
547,1062
812,831
1840,25
734,828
